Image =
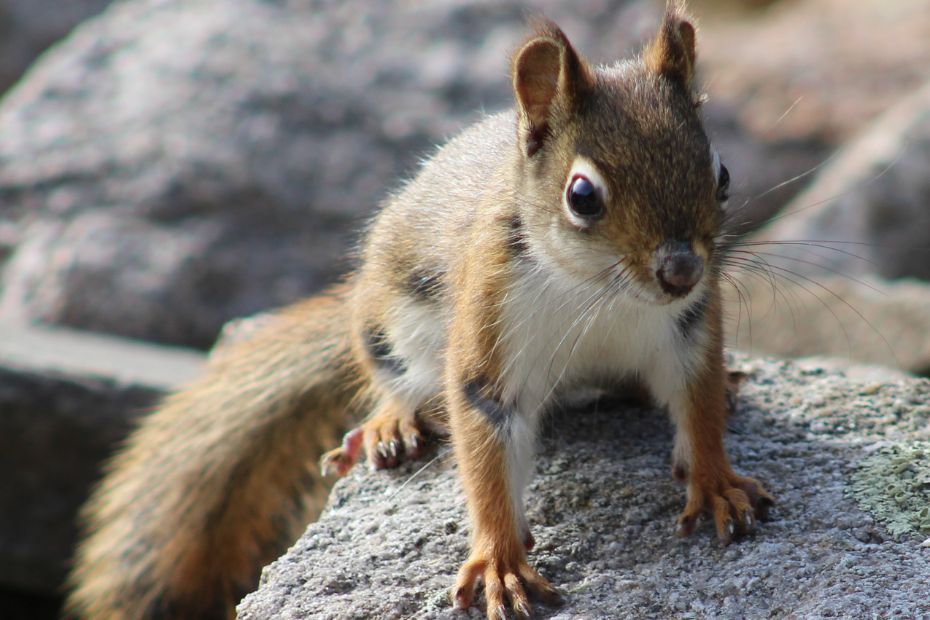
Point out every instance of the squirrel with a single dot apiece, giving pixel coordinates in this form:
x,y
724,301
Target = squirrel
x,y
570,242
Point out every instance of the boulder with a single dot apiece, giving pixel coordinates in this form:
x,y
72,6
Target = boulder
x,y
804,77
29,27
66,399
807,281
221,169
845,458
866,212
813,69
860,320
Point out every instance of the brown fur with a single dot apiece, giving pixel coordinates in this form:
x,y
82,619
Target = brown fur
x,y
549,81
499,548
673,52
222,477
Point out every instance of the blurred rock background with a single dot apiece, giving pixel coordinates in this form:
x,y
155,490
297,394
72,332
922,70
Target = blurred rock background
x,y
168,165
173,164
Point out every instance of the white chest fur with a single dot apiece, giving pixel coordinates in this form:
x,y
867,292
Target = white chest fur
x,y
558,334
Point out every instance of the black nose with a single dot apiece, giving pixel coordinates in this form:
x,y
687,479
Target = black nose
x,y
679,270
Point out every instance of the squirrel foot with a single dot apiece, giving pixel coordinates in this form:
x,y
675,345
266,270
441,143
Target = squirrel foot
x,y
389,437
735,502
504,579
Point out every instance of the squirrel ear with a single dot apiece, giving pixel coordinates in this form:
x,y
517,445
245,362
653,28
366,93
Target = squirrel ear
x,y
549,79
672,53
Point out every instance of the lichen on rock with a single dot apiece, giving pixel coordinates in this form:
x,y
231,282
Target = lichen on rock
x,y
893,485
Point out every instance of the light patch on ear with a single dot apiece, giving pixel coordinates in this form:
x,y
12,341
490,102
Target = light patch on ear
x,y
586,168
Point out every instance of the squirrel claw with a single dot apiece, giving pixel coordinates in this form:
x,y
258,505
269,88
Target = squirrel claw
x,y
685,525
391,437
504,580
736,504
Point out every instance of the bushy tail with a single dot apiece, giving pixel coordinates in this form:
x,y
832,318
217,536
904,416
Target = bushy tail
x,y
222,477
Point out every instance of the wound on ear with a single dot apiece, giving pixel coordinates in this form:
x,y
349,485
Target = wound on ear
x,y
535,138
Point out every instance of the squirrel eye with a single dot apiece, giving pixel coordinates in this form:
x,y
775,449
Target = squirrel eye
x,y
584,199
723,184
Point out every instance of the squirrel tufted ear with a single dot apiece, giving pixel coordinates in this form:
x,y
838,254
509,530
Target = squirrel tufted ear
x,y
549,79
672,53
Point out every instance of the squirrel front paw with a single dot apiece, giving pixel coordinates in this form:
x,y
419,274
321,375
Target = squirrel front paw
x,y
389,437
505,579
735,503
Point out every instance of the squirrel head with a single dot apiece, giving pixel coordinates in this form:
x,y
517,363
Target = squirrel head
x,y
616,175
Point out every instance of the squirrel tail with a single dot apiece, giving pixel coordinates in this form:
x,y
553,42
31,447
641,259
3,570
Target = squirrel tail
x,y
223,476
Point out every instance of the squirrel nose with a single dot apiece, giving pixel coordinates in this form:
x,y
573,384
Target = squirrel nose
x,y
679,270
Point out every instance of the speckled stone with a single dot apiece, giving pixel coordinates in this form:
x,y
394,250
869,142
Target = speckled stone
x,y
602,507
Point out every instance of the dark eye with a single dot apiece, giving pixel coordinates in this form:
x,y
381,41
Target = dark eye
x,y
584,199
723,184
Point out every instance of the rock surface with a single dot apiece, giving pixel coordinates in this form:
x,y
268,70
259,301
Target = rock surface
x,y
29,27
220,170
814,69
862,320
868,208
602,507
65,400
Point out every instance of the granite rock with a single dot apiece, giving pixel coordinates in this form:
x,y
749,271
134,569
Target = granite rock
x,y
859,320
866,211
216,157
602,507
813,69
29,27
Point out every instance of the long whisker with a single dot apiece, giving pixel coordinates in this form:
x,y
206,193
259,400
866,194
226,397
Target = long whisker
x,y
823,245
815,264
752,265
741,302
587,304
785,113
536,308
592,313
790,275
442,453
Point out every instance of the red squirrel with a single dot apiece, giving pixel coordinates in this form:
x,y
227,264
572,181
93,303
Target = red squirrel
x,y
572,240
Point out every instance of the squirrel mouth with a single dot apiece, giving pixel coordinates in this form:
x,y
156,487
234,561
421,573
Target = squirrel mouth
x,y
675,292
